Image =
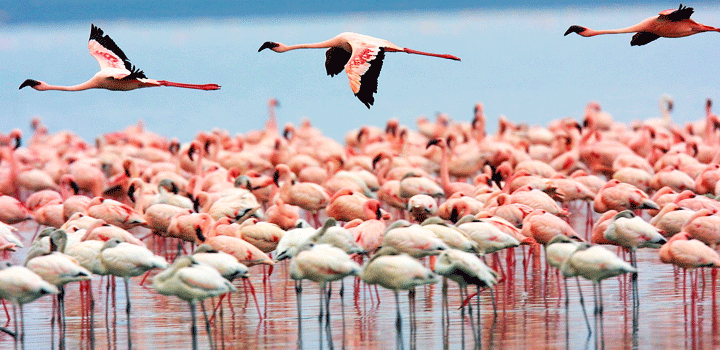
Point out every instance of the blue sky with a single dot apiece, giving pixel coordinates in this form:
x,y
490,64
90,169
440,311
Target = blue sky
x,y
33,11
515,60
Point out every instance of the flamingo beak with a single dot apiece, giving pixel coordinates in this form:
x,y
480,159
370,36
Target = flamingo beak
x,y
432,142
30,83
268,45
575,29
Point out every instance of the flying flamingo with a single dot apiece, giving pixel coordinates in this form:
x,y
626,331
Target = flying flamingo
x,y
360,55
116,72
669,24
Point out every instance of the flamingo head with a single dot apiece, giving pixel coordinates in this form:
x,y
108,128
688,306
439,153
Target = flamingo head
x,y
269,45
575,29
37,85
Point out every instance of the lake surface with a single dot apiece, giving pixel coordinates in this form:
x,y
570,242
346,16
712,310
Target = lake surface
x,y
531,314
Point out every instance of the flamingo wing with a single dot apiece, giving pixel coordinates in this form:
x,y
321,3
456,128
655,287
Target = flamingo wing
x,y
363,69
109,55
682,13
335,60
642,38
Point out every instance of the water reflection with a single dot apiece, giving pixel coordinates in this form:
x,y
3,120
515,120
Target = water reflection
x,y
532,310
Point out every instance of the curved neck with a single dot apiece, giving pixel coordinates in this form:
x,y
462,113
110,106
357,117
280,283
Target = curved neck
x,y
444,171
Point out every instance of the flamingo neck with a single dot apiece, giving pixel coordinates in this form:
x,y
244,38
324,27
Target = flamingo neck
x,y
320,45
592,32
444,171
79,87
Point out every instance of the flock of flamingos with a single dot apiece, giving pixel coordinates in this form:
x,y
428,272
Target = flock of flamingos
x,y
371,208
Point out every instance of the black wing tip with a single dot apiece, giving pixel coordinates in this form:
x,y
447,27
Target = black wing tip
x,y
30,83
335,60
369,80
105,41
642,38
682,13
575,29
135,73
268,45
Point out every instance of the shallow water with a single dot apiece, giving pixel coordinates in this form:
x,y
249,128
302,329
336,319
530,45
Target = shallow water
x,y
531,314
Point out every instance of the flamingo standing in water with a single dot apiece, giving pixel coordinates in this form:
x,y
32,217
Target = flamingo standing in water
x,y
21,286
193,282
669,24
116,72
360,55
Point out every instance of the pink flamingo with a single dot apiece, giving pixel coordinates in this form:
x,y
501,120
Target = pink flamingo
x,y
360,55
13,211
668,24
621,196
671,218
704,225
115,213
116,72
684,251
283,215
449,187
306,195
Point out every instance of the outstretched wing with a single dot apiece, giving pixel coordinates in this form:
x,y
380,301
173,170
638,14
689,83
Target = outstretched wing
x,y
682,13
363,70
335,60
642,38
109,55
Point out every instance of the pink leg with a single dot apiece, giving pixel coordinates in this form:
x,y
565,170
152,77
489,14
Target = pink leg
x,y
7,314
257,306
144,278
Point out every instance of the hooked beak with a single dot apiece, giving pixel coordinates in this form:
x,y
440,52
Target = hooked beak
x,y
575,29
268,45
432,142
30,83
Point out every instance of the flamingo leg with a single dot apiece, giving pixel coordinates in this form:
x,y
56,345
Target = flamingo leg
x,y
193,328
207,325
127,311
582,303
7,314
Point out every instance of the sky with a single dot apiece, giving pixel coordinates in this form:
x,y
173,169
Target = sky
x,y
515,60
43,11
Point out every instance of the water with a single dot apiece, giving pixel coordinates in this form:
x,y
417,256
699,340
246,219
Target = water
x,y
531,314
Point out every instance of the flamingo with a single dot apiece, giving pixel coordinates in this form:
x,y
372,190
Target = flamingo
x,y
128,260
116,72
321,263
394,270
360,55
595,263
192,281
669,24
20,286
58,269
465,269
